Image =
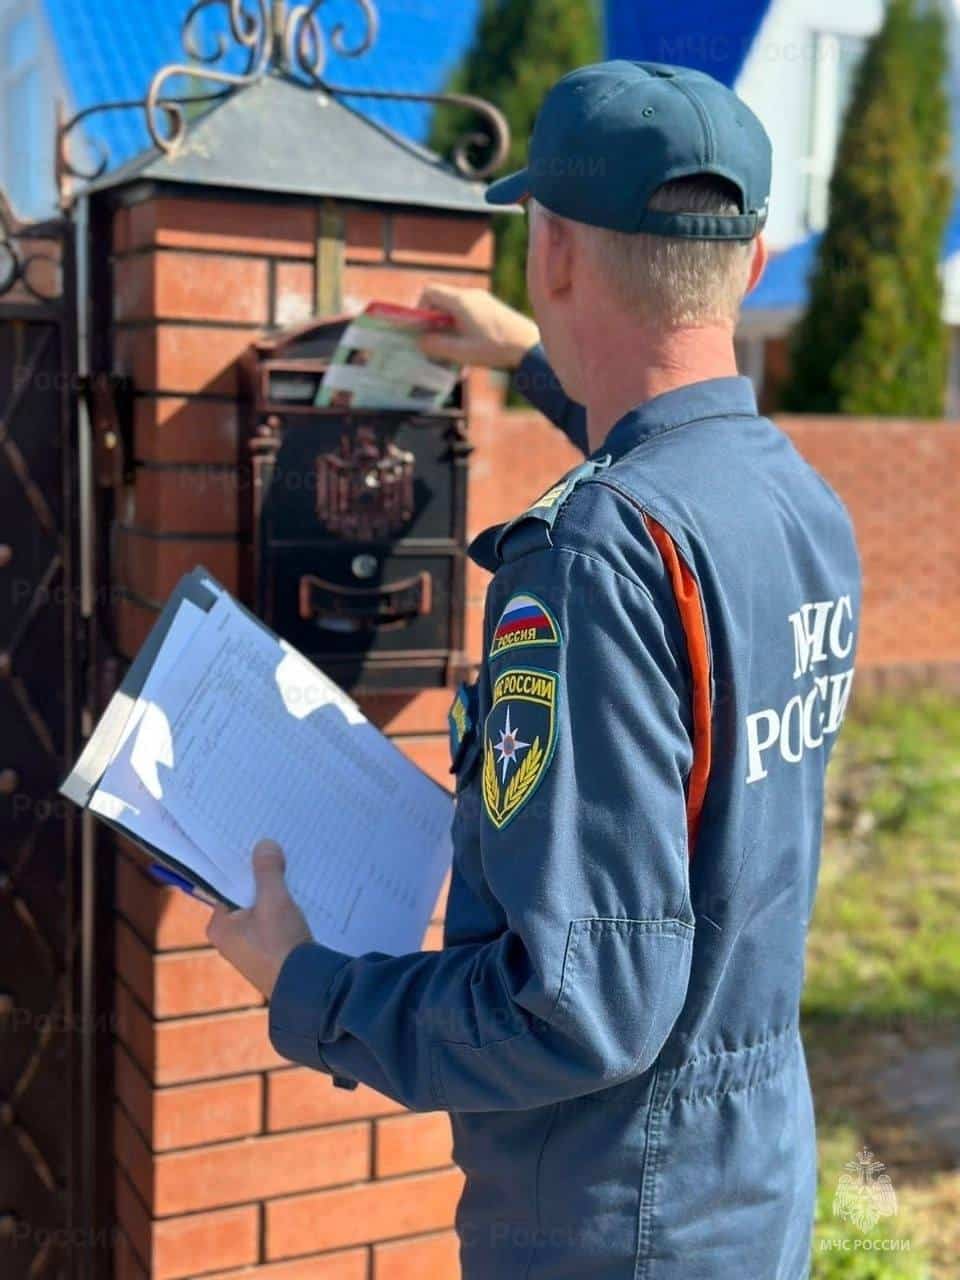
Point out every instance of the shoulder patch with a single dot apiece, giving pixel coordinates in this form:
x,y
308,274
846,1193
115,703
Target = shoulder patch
x,y
526,621
519,736
462,722
547,507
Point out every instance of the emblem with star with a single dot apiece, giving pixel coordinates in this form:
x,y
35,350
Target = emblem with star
x,y
509,747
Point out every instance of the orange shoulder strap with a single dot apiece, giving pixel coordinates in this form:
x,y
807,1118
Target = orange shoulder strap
x,y
687,593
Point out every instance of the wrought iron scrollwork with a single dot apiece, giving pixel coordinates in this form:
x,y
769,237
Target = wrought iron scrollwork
x,y
305,45
252,33
496,141
21,264
275,40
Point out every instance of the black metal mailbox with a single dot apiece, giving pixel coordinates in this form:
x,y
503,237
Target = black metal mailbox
x,y
357,523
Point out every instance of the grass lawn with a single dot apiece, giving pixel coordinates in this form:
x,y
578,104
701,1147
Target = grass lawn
x,y
882,1000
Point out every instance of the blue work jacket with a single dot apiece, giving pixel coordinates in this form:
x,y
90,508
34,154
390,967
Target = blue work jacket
x,y
612,1023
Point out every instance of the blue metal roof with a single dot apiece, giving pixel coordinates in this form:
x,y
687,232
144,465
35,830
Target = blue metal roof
x,y
111,50
951,244
786,281
692,33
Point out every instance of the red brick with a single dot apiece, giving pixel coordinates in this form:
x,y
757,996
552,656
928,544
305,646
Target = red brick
x,y
182,358
152,567
133,1090
190,1115
199,1242
408,1144
221,1044
187,499
134,294
424,712
259,1168
133,1156
121,230
132,622
900,482
486,393
132,1217
134,1029
296,292
288,230
180,983
198,1113
365,235
401,285
177,429
207,286
435,1256
163,918
181,1050
346,1265
371,1211
133,962
349,1264
182,921
188,982
127,1266
298,1098
442,241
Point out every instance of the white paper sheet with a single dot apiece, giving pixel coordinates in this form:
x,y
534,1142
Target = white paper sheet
x,y
129,791
245,739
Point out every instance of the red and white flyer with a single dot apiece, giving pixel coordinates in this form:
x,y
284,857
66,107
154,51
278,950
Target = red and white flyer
x,y
378,363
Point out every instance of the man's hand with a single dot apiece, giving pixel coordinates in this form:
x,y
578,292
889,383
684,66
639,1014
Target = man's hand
x,y
257,941
488,332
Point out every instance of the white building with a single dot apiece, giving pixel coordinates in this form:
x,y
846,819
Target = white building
x,y
793,62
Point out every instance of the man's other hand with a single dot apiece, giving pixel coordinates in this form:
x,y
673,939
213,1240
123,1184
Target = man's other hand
x,y
487,331
257,941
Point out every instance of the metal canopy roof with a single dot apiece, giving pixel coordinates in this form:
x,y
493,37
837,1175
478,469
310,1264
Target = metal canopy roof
x,y
281,136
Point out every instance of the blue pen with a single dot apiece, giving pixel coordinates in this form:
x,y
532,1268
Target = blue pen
x,y
168,877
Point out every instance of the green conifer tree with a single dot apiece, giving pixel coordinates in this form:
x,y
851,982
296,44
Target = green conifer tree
x,y
873,340
521,49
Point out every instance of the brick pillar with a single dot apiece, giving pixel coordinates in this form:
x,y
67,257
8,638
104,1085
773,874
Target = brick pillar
x,y
230,1162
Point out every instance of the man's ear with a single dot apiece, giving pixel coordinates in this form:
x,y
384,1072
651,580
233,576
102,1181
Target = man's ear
x,y
761,256
558,251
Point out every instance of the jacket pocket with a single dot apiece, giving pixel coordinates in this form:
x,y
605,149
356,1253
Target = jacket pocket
x,y
623,985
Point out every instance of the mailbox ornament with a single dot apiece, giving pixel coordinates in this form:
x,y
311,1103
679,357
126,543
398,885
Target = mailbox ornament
x,y
365,489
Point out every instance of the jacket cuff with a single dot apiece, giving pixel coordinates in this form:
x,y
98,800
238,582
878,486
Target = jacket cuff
x,y
298,1006
539,385
535,380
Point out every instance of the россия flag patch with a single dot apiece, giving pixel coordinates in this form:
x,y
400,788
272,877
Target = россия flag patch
x,y
525,621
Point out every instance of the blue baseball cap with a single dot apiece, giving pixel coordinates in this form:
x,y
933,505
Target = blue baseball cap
x,y
609,135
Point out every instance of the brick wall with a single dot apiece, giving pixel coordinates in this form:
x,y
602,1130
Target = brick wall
x,y
900,481
229,1162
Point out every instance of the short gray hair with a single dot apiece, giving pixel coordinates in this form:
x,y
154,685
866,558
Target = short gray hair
x,y
677,282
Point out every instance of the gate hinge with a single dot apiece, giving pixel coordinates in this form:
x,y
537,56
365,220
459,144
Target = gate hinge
x,y
109,400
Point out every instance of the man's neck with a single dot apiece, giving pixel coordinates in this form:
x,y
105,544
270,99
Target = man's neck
x,y
632,367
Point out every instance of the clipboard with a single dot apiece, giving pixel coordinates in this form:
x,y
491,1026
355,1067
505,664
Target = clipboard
x,y
202,589
369,875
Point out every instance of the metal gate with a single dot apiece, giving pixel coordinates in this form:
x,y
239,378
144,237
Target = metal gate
x,y
50,1224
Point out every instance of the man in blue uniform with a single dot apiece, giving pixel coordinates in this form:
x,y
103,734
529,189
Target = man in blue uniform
x,y
670,631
